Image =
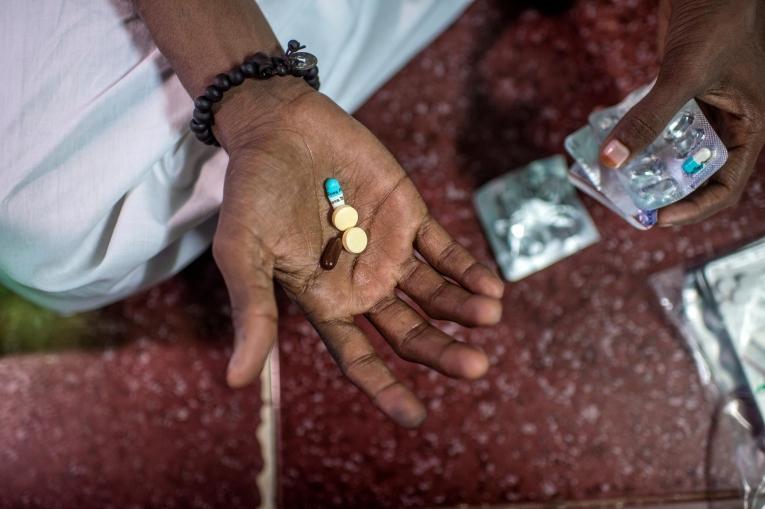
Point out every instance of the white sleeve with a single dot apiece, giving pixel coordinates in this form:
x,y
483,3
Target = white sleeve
x,y
103,191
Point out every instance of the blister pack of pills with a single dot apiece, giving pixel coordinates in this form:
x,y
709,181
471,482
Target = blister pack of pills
x,y
611,194
683,157
533,218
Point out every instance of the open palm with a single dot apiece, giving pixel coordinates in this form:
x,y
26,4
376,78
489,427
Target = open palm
x,y
275,222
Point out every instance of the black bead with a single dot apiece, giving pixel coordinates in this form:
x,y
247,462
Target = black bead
x,y
205,136
198,127
259,59
293,45
280,65
266,71
236,76
313,82
222,82
203,117
213,93
202,103
311,73
249,69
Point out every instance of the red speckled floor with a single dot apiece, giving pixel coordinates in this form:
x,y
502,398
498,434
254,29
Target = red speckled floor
x,y
591,395
143,419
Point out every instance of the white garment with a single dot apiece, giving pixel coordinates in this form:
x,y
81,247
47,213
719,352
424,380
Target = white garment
x,y
103,191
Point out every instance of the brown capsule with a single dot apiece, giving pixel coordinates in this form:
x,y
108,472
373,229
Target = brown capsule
x,y
331,253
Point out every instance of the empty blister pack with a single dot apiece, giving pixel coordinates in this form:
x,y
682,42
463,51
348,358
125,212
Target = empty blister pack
x,y
533,218
685,155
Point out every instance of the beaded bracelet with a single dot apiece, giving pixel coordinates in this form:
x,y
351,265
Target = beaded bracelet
x,y
260,67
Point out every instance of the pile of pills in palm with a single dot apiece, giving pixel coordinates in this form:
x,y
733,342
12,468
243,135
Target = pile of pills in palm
x,y
344,218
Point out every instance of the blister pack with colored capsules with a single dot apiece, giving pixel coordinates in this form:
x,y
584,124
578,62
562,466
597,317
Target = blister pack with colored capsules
x,y
683,157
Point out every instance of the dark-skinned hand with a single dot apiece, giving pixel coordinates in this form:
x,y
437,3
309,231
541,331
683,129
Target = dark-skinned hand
x,y
713,50
275,222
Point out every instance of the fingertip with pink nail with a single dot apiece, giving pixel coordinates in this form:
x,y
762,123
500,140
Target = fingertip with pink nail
x,y
614,154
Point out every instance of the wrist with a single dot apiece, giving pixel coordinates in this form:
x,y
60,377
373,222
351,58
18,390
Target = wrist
x,y
246,108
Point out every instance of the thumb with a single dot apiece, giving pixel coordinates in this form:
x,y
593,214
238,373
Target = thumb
x,y
248,272
645,121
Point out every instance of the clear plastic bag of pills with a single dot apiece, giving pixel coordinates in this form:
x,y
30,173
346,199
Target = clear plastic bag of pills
x,y
533,218
683,157
737,285
719,309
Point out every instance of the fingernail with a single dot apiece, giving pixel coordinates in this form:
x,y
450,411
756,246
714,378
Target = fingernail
x,y
614,154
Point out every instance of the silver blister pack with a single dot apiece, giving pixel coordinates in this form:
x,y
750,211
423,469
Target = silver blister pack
x,y
611,194
533,218
684,156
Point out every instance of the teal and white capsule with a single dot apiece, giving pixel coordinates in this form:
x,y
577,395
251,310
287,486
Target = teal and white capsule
x,y
696,162
334,193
